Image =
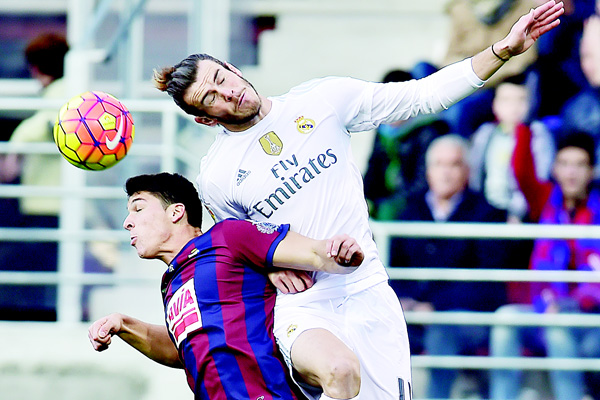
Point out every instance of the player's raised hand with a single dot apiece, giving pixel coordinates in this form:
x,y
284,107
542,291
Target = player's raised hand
x,y
101,331
345,251
530,27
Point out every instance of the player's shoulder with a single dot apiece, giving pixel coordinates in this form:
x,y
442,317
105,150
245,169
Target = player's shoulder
x,y
226,229
319,84
213,165
238,234
247,225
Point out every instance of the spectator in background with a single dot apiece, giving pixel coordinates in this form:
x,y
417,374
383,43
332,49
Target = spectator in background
x,y
582,112
474,25
45,57
493,144
396,168
558,60
448,200
570,201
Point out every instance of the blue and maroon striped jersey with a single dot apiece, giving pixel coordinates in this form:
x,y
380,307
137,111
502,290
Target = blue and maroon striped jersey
x,y
219,312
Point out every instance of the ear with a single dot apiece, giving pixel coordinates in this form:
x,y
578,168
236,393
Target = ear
x,y
206,121
176,212
233,69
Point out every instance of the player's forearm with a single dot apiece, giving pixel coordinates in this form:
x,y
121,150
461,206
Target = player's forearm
x,y
299,252
151,340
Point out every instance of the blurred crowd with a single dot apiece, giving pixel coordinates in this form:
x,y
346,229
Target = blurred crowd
x,y
522,150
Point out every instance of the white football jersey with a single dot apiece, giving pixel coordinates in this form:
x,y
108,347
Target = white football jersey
x,y
295,166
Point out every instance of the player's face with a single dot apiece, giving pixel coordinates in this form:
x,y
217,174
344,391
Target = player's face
x,y
148,224
573,172
224,95
447,173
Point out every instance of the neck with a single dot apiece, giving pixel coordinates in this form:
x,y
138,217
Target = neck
x,y
441,204
508,127
570,203
178,242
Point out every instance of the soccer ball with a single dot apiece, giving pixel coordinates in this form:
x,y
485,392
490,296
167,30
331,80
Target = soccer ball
x,y
94,131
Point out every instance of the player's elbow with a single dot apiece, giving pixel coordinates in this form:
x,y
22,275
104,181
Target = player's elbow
x,y
175,364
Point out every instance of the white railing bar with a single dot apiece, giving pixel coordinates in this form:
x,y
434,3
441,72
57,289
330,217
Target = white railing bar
x,y
37,103
50,148
55,235
53,278
96,192
491,275
51,235
507,319
28,148
504,231
488,230
520,363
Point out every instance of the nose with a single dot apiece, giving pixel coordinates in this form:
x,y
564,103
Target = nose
x,y
127,224
228,94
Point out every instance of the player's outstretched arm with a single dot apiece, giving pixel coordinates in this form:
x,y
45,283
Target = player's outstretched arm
x,y
151,340
340,254
521,37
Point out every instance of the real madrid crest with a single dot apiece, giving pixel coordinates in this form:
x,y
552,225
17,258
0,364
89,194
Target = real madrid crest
x,y
271,144
305,125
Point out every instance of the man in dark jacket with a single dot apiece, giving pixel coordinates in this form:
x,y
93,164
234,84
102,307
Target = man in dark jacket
x,y
449,199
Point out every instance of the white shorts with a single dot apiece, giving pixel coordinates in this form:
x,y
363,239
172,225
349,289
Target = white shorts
x,y
371,323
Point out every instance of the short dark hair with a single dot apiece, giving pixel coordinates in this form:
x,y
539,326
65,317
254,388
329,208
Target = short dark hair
x,y
517,79
47,53
397,75
581,140
177,79
169,189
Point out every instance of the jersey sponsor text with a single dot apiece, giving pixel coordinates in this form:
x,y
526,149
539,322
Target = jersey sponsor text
x,y
183,314
292,184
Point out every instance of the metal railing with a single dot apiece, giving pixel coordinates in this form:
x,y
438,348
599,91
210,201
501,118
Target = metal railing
x,y
384,231
71,235
73,278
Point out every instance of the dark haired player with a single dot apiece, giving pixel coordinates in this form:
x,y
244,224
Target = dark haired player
x,y
217,298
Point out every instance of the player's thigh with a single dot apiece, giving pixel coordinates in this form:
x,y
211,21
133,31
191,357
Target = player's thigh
x,y
377,333
317,353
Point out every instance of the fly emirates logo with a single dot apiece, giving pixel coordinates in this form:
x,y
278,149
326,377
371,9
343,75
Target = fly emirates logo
x,y
294,177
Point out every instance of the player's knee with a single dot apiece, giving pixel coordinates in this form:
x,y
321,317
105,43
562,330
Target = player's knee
x,y
343,378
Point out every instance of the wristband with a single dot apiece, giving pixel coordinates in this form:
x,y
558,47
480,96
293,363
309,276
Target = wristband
x,y
496,54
